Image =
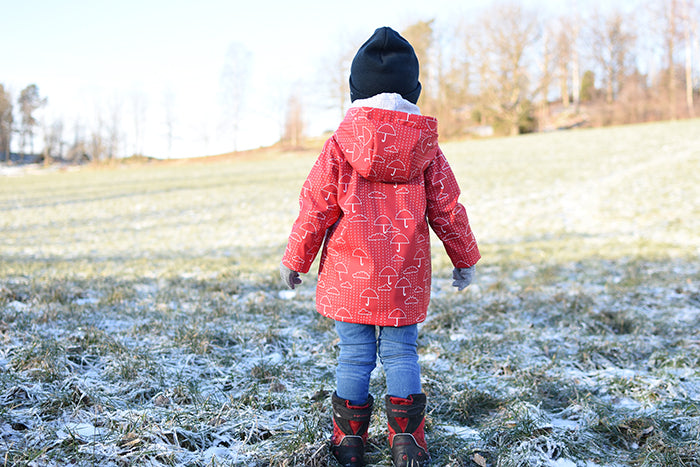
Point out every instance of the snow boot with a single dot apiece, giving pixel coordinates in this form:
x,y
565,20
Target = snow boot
x,y
350,424
406,419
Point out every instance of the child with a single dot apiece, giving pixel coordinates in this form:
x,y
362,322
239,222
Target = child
x,y
380,180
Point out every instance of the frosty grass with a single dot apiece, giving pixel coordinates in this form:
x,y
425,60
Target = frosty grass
x,y
143,323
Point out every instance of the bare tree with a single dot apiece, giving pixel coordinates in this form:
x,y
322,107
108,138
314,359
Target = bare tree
x,y
548,63
566,57
335,68
420,35
77,152
29,101
233,84
675,23
96,145
53,141
6,121
576,59
446,75
672,35
611,43
690,31
563,52
114,129
506,36
169,107
572,45
139,104
453,69
293,136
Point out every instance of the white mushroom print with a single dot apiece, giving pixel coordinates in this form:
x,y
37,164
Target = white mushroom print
x,y
362,131
388,272
353,201
398,240
441,223
396,166
328,191
440,180
343,314
398,314
384,222
357,151
325,304
369,294
341,269
403,284
385,131
426,143
405,215
345,182
307,228
305,189
420,256
361,254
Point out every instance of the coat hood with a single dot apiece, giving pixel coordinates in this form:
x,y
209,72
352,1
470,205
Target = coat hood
x,y
387,145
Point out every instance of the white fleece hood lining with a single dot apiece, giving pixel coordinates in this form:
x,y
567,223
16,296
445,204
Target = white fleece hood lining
x,y
388,101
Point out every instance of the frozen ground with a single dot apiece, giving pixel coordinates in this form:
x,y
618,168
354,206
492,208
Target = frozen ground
x,y
142,321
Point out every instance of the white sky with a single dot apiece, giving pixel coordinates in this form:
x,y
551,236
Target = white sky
x,y
90,57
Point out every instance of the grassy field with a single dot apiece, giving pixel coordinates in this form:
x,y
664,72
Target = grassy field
x,y
142,321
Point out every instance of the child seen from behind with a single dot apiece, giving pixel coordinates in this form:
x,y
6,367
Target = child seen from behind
x,y
377,185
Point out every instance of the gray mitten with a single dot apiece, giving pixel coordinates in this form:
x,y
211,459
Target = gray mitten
x,y
462,277
289,277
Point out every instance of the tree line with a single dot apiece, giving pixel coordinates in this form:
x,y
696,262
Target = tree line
x,y
28,102
509,69
20,119
505,70
513,70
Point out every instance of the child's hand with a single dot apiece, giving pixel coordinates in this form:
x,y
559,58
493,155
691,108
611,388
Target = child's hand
x,y
462,277
289,277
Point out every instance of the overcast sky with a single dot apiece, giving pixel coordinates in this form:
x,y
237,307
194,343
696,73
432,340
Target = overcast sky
x,y
90,57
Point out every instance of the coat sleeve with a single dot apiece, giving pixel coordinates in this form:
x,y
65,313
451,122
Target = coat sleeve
x,y
447,217
318,211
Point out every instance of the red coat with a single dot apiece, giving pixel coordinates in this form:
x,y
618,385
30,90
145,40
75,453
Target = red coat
x,y
377,184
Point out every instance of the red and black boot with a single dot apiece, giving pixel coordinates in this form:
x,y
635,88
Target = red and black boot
x,y
350,424
406,419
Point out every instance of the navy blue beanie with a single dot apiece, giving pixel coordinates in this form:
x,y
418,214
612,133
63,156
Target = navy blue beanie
x,y
385,63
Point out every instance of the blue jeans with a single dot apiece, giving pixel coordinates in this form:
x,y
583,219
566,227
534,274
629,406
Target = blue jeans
x,y
359,346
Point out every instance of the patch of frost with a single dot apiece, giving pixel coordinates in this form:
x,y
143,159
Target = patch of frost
x,y
565,424
463,432
17,306
86,301
286,294
561,463
84,431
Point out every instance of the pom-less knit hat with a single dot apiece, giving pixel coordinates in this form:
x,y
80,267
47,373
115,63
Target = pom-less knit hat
x,y
385,63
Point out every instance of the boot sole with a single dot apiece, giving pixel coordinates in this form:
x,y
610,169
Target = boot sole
x,y
402,440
